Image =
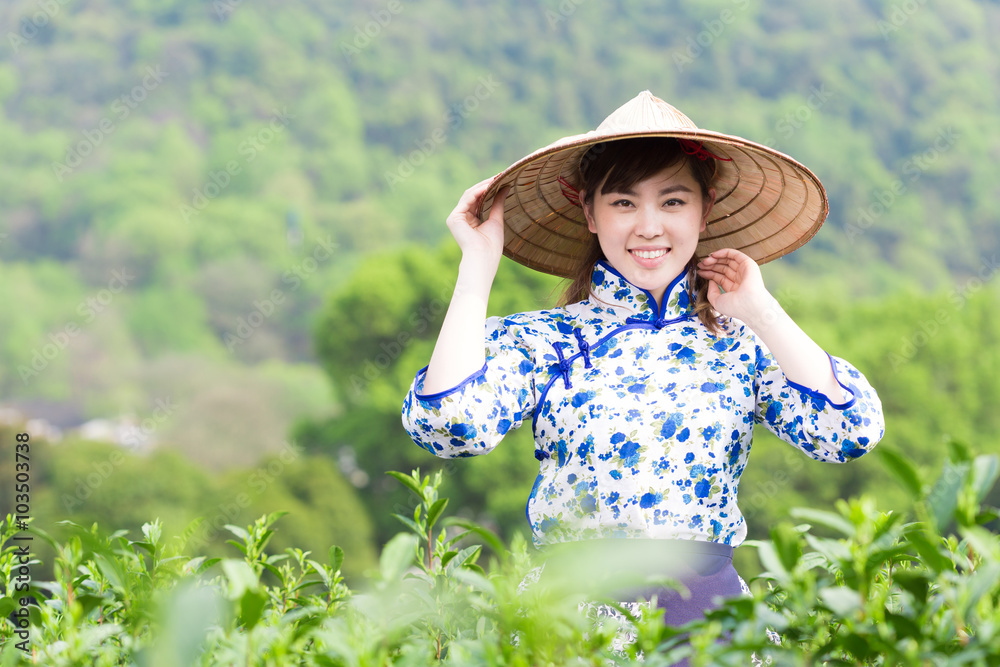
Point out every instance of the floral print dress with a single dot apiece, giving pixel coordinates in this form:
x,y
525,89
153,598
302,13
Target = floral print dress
x,y
642,418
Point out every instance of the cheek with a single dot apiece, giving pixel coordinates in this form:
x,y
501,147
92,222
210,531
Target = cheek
x,y
695,226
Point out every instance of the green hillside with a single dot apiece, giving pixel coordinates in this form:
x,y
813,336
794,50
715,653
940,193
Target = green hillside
x,y
200,202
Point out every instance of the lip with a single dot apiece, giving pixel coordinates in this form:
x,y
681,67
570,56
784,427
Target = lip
x,y
649,263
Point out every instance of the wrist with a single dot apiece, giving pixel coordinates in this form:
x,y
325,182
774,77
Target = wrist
x,y
764,314
475,275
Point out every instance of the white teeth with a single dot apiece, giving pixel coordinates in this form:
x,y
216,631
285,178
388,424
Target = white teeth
x,y
649,254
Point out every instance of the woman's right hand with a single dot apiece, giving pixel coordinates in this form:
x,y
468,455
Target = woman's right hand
x,y
479,241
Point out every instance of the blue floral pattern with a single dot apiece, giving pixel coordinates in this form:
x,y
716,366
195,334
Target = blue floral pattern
x,y
642,418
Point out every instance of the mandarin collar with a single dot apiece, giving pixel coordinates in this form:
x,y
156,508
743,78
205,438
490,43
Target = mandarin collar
x,y
618,297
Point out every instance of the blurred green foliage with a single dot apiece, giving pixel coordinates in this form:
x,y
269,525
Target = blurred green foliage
x,y
91,482
202,200
853,586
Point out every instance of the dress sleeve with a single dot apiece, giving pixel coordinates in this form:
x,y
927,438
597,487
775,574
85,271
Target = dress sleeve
x,y
472,417
811,421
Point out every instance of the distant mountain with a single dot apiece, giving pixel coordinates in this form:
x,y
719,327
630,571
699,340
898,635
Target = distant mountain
x,y
235,159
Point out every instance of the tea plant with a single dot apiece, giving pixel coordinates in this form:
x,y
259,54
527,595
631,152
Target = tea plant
x,y
853,586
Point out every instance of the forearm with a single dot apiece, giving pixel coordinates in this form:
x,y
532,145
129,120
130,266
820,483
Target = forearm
x,y
460,349
801,360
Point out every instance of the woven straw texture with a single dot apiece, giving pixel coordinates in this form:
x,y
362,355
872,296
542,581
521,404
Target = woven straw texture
x,y
767,204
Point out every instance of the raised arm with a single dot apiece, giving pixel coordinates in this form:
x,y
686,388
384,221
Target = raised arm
x,y
816,402
459,351
744,296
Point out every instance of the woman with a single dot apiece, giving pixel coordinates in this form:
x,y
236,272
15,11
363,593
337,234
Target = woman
x,y
644,386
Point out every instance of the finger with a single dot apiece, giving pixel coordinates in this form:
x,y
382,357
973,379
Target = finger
x,y
743,263
729,253
716,259
732,273
496,210
468,205
726,276
720,283
713,293
473,194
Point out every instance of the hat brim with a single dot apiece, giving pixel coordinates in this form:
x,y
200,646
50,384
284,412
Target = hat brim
x,y
767,204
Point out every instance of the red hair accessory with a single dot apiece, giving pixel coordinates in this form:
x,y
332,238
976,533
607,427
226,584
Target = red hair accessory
x,y
697,149
571,194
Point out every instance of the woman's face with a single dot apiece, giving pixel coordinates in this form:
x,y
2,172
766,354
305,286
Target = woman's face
x,y
650,231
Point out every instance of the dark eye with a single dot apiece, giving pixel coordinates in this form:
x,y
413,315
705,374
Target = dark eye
x,y
674,202
621,202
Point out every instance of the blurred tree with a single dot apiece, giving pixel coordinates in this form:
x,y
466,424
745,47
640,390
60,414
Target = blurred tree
x,y
324,509
373,335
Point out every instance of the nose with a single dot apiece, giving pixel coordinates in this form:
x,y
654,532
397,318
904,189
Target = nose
x,y
647,224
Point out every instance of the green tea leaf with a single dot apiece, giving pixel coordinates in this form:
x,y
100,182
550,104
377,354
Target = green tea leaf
x,y
903,470
916,582
238,532
842,601
397,556
943,497
409,523
112,570
408,482
985,471
772,563
435,511
145,545
825,519
251,607
274,516
787,545
904,626
275,571
242,547
984,581
240,576
928,550
958,452
336,557
984,543
7,605
491,538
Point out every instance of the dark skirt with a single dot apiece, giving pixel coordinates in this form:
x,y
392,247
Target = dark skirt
x,y
622,569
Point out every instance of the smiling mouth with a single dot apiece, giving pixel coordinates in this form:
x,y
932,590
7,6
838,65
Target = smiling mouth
x,y
650,254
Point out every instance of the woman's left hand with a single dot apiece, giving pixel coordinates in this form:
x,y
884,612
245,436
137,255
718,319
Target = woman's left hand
x,y
736,286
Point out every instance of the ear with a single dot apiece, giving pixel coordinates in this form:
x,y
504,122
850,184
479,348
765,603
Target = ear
x,y
588,212
707,208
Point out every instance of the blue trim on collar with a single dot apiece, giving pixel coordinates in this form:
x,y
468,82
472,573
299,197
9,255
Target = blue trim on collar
x,y
658,308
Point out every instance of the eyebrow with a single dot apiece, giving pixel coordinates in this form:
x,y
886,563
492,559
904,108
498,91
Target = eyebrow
x,y
670,189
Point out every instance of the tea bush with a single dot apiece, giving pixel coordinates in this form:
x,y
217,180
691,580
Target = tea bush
x,y
853,586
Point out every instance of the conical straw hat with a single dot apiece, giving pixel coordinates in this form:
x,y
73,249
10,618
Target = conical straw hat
x,y
767,204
